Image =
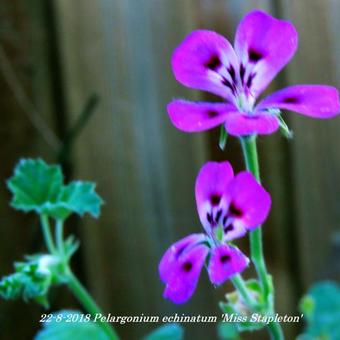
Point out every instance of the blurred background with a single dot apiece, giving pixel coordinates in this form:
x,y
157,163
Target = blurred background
x,y
85,83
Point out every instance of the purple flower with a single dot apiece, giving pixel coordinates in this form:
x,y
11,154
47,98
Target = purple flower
x,y
228,207
263,45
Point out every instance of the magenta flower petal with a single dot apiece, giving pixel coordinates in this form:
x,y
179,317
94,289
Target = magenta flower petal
x,y
184,274
193,117
211,185
264,46
225,261
206,61
318,101
171,256
242,124
249,201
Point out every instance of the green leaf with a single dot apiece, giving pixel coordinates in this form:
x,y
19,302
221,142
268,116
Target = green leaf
x,y
284,128
172,331
39,187
60,329
34,184
238,312
223,138
31,280
227,331
81,198
70,246
321,308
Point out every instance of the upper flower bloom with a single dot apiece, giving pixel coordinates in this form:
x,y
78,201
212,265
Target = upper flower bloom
x,y
263,45
228,207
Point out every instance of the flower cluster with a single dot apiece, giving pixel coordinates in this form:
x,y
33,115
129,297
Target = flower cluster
x,y
228,207
263,45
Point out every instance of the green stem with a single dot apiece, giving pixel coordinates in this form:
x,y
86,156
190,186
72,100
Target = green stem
x,y
88,303
73,283
59,231
240,285
47,234
275,331
256,248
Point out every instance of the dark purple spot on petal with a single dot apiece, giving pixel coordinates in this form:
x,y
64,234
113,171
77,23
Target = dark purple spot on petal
x,y
235,211
231,71
218,215
180,250
213,63
254,56
187,266
291,100
242,72
226,82
225,258
229,228
212,114
224,219
215,199
209,218
250,80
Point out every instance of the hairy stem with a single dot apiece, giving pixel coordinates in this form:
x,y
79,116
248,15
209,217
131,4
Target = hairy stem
x,y
275,331
88,303
59,231
47,234
256,248
72,282
240,285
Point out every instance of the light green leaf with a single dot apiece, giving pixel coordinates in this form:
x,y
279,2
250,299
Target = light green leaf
x,y
172,331
81,198
34,184
227,331
321,308
70,246
31,280
284,128
37,186
237,310
223,137
60,329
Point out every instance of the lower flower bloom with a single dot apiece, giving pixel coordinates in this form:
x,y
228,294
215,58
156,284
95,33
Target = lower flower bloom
x,y
228,207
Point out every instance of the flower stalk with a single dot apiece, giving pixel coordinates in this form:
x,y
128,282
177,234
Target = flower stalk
x,y
47,234
250,155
